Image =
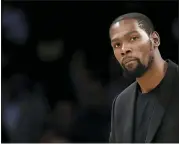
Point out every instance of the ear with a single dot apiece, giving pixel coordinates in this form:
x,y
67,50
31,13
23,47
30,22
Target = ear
x,y
155,39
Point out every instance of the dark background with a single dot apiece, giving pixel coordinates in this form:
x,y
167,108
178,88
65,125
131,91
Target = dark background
x,y
76,91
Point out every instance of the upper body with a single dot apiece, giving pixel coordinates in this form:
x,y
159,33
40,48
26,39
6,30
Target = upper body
x,y
164,121
146,111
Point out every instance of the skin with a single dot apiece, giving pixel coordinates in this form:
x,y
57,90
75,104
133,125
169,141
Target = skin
x,y
133,44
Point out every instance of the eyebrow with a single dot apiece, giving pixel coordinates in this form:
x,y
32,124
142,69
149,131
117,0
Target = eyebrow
x,y
129,33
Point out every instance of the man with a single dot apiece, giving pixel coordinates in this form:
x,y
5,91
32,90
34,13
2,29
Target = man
x,y
148,110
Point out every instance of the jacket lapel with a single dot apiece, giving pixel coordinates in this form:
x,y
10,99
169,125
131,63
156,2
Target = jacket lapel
x,y
161,102
129,114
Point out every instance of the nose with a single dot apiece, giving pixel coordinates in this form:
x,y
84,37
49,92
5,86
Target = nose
x,y
125,50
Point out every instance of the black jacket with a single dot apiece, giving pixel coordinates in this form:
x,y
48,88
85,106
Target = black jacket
x,y
164,124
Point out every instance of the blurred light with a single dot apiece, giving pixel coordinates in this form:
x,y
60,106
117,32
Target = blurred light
x,y
15,25
50,50
175,29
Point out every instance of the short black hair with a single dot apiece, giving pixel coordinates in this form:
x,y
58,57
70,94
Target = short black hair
x,y
144,22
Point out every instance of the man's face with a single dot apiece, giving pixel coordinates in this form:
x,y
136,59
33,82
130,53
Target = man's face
x,y
132,47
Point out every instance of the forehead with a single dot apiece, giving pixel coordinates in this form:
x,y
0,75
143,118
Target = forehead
x,y
123,27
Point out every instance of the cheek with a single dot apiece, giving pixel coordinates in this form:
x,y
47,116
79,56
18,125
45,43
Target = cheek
x,y
144,53
117,54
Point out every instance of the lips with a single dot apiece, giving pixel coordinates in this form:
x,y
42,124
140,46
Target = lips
x,y
126,60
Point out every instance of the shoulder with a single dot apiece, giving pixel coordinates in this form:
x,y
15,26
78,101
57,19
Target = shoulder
x,y
173,65
173,71
177,67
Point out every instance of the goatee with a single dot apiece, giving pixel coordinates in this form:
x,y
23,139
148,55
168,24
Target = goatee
x,y
139,71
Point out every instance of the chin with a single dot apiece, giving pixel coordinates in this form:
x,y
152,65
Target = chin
x,y
131,68
134,72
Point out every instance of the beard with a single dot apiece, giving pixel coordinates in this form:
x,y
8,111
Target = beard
x,y
139,71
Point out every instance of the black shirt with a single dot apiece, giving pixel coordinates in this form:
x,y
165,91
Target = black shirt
x,y
143,112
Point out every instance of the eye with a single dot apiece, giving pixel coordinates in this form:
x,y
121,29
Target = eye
x,y
117,45
134,38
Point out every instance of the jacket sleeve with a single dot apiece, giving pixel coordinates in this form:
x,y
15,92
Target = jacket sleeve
x,y
112,134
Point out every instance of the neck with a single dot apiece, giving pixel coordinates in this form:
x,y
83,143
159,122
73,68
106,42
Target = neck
x,y
153,76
